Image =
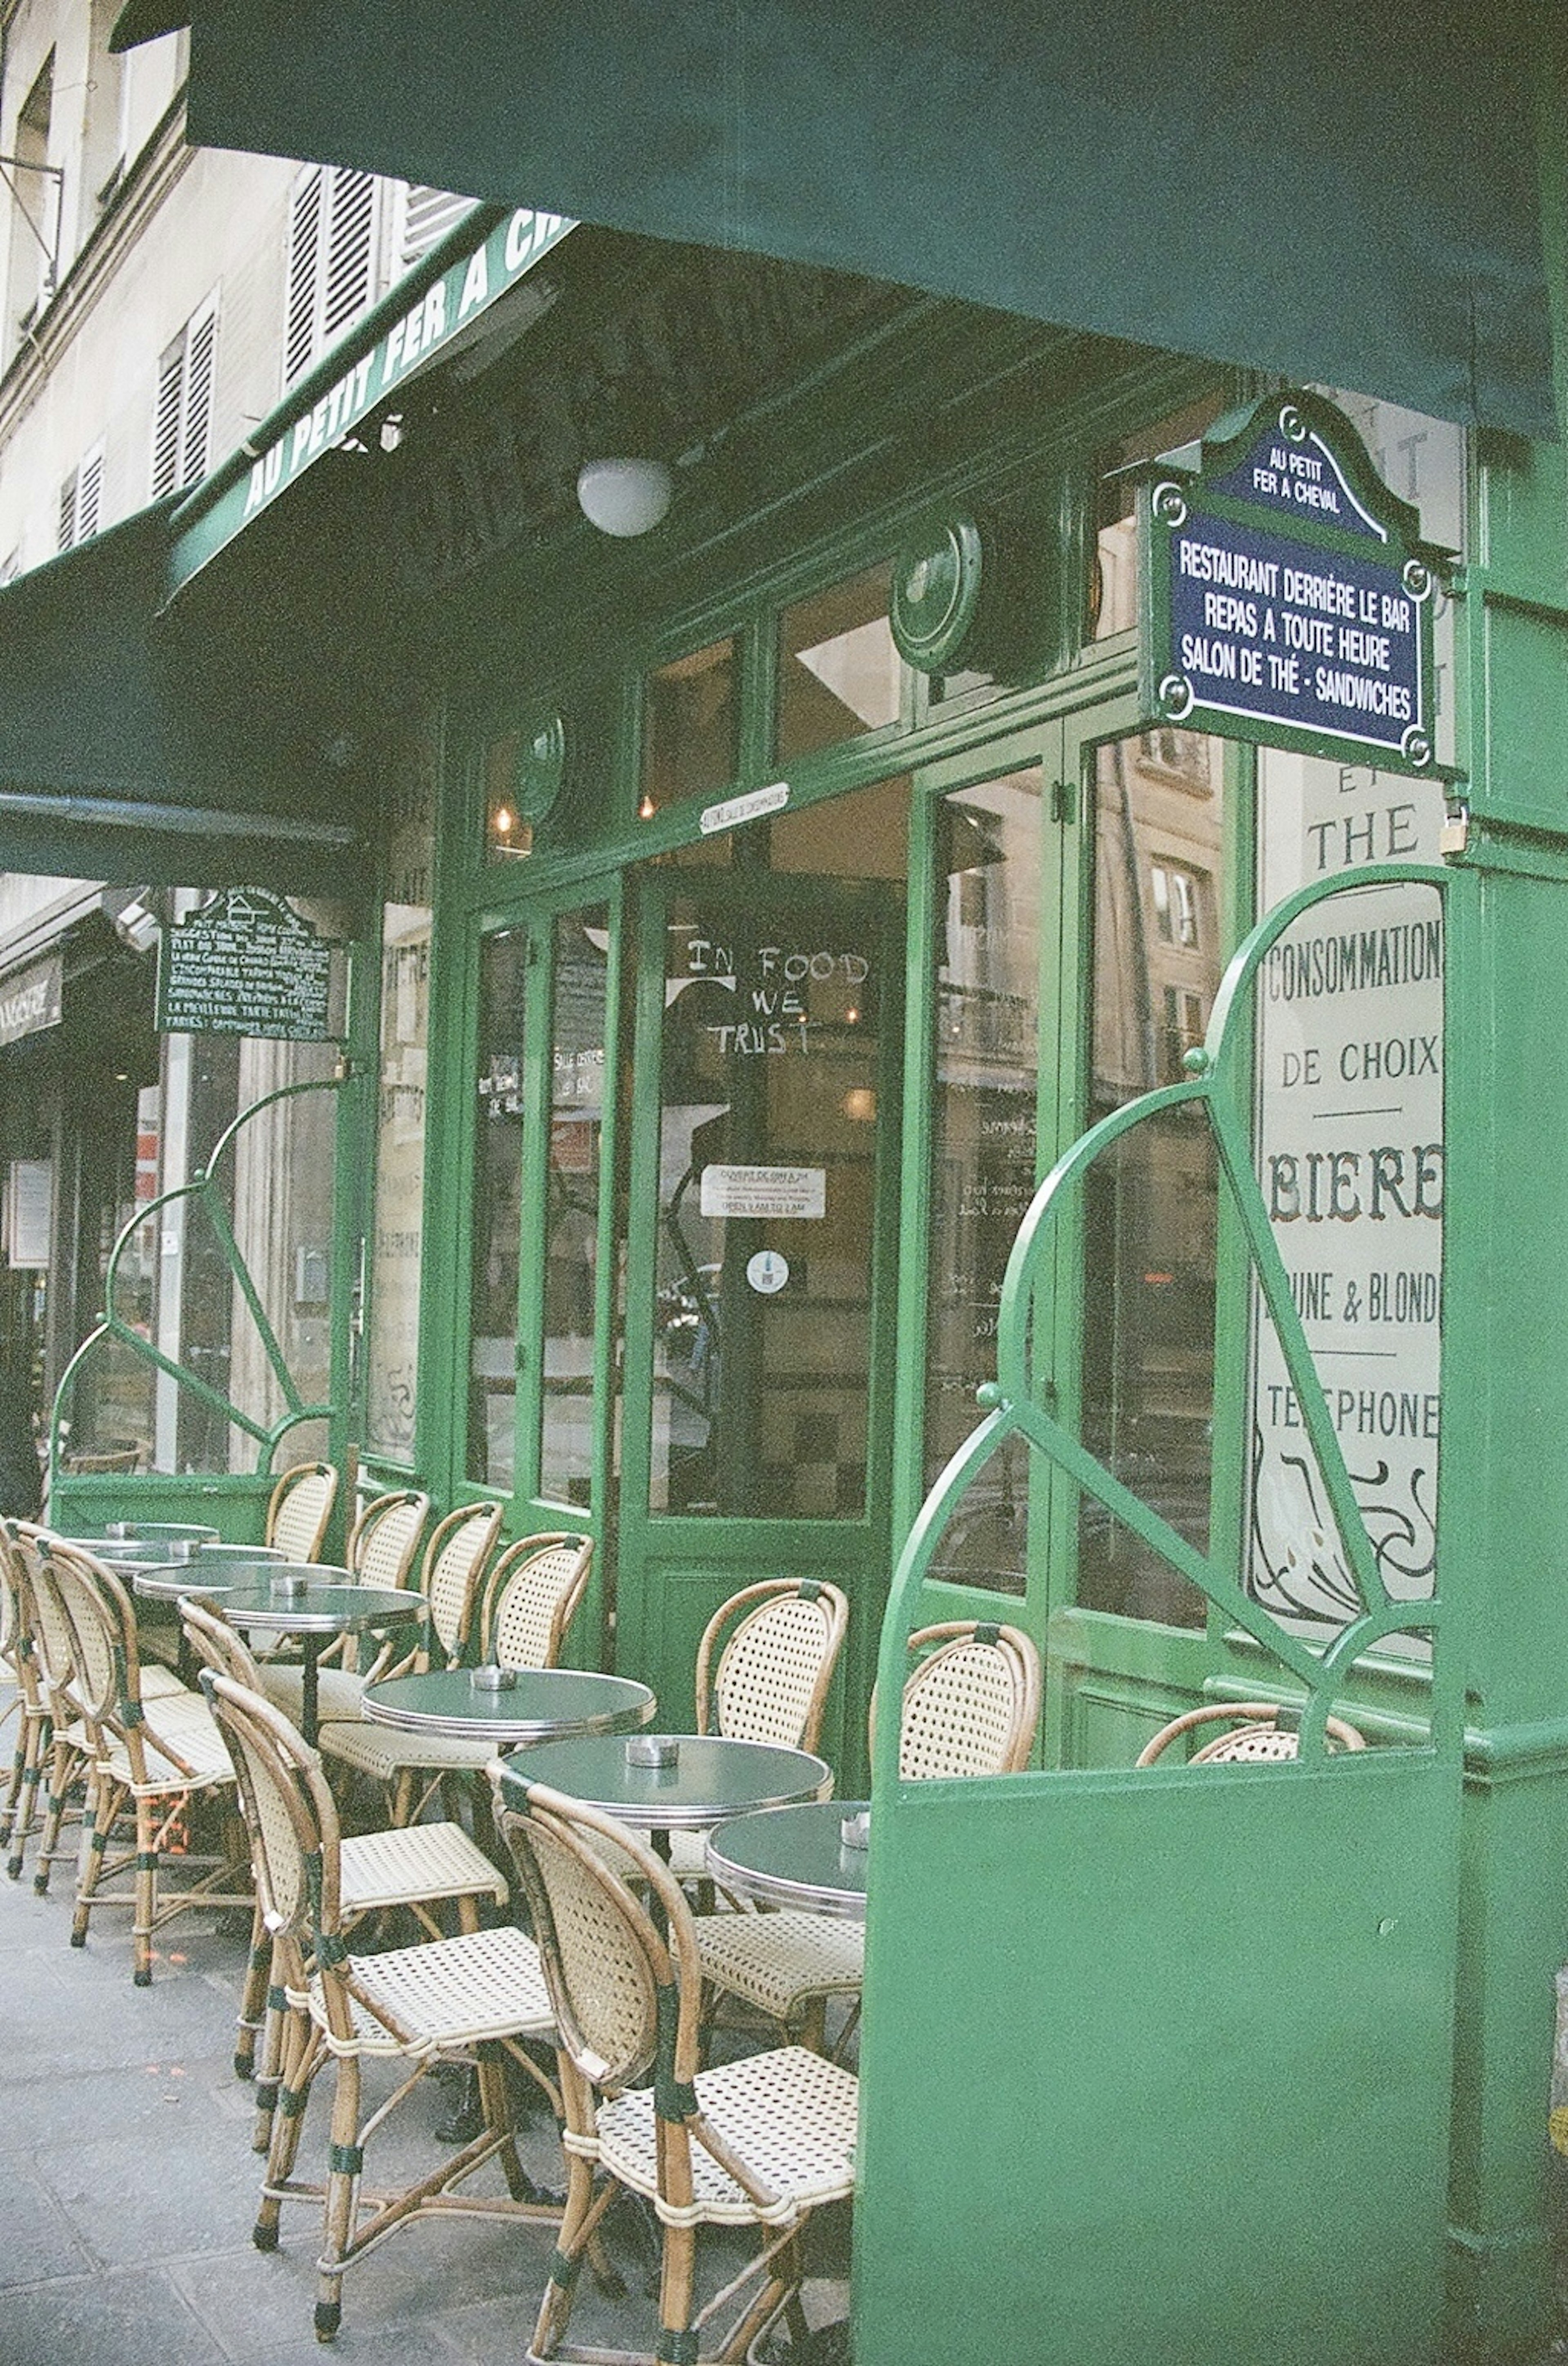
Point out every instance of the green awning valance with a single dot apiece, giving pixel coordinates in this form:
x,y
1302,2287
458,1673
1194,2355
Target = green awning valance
x,y
1335,191
129,750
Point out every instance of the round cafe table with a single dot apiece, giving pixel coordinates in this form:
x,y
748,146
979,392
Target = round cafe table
x,y
539,1704
793,1857
713,1777
319,1611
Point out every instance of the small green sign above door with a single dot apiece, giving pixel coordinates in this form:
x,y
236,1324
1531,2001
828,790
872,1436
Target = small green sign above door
x,y
1286,596
246,964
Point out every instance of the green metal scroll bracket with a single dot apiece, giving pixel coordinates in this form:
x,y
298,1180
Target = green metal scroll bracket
x,y
1220,1086
205,1190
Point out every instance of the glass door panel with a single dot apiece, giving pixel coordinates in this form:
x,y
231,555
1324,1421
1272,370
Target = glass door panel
x,y
579,1078
770,1051
497,1210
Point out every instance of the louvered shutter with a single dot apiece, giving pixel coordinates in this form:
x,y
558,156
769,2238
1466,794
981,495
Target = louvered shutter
x,y
427,216
302,300
89,495
350,249
201,352
166,419
67,533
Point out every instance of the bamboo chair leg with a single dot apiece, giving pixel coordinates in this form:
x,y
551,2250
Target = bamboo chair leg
x,y
25,1737
269,2075
97,1817
146,1898
677,2272
62,1758
37,1747
342,2186
298,2065
579,2235
253,1998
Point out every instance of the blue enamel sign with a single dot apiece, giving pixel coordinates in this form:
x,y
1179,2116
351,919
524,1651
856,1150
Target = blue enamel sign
x,y
1286,596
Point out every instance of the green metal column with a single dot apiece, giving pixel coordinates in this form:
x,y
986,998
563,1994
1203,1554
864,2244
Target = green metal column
x,y
1504,1522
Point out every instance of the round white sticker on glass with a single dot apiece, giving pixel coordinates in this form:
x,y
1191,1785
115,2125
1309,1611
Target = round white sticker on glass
x,y
767,1271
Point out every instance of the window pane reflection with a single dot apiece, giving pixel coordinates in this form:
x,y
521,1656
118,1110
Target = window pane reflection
x,y
1149,1204
983,1146
690,714
839,671
580,967
496,1190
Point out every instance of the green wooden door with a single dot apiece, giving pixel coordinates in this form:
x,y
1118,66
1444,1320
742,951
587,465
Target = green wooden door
x,y
759,1260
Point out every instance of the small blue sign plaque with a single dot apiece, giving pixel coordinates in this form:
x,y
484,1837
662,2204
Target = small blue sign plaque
x,y
1286,597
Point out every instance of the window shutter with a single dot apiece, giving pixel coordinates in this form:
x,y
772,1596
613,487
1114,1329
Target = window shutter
x,y
351,249
427,216
201,352
67,535
166,421
301,308
89,495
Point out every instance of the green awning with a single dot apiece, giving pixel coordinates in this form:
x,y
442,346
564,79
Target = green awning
x,y
1335,191
131,749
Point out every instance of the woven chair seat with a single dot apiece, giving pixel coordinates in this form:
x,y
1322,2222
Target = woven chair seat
x,y
779,1962
379,1751
442,1996
338,1691
789,2116
186,1723
418,1861
159,1682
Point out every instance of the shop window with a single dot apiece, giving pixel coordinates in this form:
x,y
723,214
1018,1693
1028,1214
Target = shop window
x,y
497,1210
984,1095
1149,1203
839,673
182,419
398,1238
691,713
1113,567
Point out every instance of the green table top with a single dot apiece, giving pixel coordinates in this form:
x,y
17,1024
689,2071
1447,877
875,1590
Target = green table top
x,y
542,1704
713,1777
329,1607
793,1856
208,1578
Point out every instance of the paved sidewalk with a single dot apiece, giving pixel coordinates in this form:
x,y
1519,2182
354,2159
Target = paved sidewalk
x,y
128,2185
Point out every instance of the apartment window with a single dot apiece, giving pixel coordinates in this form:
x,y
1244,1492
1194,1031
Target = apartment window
x,y
349,235
82,500
34,202
334,225
182,419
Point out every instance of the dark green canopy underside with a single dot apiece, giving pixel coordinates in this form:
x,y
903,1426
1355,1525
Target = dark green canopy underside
x,y
1334,191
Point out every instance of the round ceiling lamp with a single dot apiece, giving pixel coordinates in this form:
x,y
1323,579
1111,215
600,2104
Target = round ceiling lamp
x,y
624,498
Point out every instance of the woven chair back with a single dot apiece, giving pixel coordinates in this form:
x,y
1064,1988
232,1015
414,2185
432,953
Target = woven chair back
x,y
13,1608
288,1809
214,1644
54,1639
108,1672
971,1707
384,1538
774,1670
533,1593
604,1963
453,1563
1254,1733
301,1507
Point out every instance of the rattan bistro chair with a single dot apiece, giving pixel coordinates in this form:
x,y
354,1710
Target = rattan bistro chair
x,y
148,1758
450,1572
1254,1732
530,1599
761,2142
430,1865
467,1998
299,1508
19,1653
970,1707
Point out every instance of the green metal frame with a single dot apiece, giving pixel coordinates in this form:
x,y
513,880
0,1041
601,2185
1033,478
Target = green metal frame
x,y
203,1189
1015,1404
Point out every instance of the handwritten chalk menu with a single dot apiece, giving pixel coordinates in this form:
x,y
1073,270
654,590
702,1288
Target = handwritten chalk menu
x,y
245,965
1349,1160
1286,594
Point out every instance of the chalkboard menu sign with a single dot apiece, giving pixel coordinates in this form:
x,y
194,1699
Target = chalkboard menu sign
x,y
1286,596
245,965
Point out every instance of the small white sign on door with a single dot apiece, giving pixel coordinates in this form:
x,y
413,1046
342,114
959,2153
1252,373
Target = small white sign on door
x,y
795,1194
